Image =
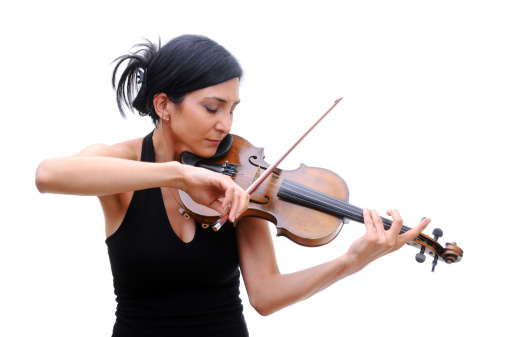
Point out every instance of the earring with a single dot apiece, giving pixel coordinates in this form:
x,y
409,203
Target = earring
x,y
167,119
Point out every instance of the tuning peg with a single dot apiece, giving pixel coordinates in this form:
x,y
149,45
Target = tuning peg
x,y
434,263
420,257
437,232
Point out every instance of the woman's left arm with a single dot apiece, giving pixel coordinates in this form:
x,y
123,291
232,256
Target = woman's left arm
x,y
270,291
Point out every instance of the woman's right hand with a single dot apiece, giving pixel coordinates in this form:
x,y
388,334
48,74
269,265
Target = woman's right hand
x,y
208,188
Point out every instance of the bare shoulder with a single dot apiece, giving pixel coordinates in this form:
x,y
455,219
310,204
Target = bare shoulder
x,y
130,149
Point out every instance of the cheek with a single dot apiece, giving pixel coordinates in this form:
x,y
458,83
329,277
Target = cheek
x,y
190,131
192,126
185,124
198,125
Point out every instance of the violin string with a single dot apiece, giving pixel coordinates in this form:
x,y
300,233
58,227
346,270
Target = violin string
x,y
249,179
318,198
329,203
246,175
322,199
331,206
351,208
346,205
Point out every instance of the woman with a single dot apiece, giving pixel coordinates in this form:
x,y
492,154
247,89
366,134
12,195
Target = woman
x,y
172,276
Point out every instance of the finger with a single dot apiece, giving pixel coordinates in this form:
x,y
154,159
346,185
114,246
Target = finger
x,y
233,201
367,220
240,203
378,223
227,188
414,232
217,205
233,205
236,200
244,203
397,220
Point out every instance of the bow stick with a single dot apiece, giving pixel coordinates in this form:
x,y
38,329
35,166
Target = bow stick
x,y
218,224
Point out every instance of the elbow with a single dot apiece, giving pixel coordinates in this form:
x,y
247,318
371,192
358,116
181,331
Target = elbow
x,y
262,306
264,313
262,294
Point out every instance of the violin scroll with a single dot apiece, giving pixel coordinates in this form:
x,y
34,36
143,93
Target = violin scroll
x,y
450,254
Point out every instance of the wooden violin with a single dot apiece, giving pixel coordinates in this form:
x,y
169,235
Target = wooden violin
x,y
308,205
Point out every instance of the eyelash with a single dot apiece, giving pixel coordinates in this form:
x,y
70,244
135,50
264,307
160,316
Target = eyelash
x,y
214,111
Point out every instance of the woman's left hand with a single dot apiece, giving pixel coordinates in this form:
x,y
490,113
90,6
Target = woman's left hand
x,y
377,242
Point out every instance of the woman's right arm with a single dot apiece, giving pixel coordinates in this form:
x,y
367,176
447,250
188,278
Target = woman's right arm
x,y
102,170
111,170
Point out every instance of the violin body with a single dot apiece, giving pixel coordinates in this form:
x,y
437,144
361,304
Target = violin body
x,y
308,205
291,222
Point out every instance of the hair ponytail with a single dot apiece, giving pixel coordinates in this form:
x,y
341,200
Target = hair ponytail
x,y
184,64
133,77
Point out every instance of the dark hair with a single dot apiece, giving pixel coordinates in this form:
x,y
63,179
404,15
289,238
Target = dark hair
x,y
184,64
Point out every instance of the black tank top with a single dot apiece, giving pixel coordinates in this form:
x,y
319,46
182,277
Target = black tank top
x,y
166,287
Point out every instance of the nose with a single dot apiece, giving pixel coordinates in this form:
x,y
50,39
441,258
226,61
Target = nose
x,y
224,122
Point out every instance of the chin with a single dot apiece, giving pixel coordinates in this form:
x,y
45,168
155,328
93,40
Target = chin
x,y
206,152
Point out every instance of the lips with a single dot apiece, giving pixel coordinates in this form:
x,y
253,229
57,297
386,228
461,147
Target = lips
x,y
214,141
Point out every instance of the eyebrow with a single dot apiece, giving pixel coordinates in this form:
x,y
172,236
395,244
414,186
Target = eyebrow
x,y
223,100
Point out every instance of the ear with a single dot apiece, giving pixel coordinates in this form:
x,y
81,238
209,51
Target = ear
x,y
163,106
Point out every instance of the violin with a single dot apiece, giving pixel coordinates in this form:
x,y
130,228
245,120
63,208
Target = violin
x,y
308,205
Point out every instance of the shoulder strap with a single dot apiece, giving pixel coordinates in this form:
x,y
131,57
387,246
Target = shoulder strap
x,y
147,152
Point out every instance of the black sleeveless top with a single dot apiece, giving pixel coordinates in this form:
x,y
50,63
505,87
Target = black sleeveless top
x,y
166,287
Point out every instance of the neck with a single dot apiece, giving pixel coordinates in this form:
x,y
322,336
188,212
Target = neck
x,y
164,147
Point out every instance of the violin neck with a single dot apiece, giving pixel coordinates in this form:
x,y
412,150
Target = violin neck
x,y
300,194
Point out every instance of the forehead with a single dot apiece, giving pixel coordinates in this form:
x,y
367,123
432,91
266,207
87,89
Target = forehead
x,y
228,91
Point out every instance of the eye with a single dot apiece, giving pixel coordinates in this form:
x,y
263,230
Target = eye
x,y
233,109
211,109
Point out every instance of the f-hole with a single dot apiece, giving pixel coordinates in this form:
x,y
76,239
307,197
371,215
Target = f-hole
x,y
261,202
275,175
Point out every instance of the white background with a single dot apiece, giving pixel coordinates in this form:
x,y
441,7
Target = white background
x,y
420,129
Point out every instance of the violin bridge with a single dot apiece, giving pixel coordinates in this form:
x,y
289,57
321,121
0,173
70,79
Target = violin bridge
x,y
257,175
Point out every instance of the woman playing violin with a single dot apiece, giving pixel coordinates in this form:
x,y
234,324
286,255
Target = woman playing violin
x,y
172,276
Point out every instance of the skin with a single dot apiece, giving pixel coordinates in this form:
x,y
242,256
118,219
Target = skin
x,y
197,125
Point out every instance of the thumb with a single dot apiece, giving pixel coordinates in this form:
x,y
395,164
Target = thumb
x,y
217,205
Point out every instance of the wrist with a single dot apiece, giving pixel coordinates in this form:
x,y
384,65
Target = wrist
x,y
350,264
174,175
